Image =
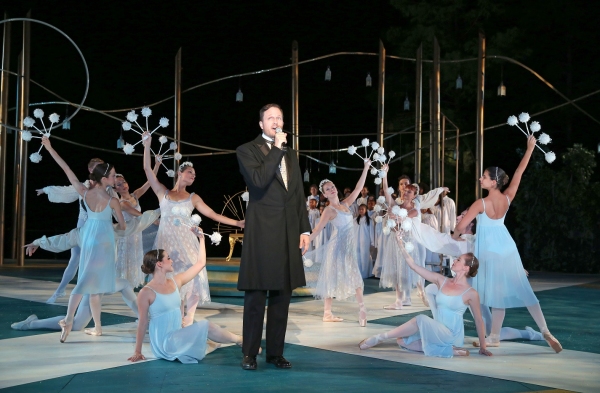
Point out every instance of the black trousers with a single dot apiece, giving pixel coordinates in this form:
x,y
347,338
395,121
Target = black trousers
x,y
277,316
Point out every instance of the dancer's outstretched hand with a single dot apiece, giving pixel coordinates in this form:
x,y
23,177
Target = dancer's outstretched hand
x,y
136,357
531,141
484,352
40,191
30,249
146,139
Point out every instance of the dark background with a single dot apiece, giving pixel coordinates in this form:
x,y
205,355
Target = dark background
x,y
130,49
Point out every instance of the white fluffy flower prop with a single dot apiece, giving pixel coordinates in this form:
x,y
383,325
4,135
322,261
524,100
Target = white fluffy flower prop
x,y
128,148
215,238
38,113
132,116
163,139
524,117
351,150
26,136
377,208
409,247
246,196
392,154
398,201
390,190
28,122
374,171
308,262
381,199
376,156
196,219
381,150
381,174
407,225
35,157
386,230
544,138
146,112
382,159
378,180
54,118
378,219
390,223
173,146
396,210
163,122
177,156
171,173
403,213
126,126
531,129
374,145
364,142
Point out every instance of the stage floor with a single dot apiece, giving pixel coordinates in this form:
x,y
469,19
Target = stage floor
x,y
325,356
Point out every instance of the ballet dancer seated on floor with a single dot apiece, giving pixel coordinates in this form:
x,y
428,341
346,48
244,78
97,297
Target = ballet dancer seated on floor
x,y
444,335
160,301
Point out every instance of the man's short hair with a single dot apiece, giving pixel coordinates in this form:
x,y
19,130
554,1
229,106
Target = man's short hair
x,y
266,108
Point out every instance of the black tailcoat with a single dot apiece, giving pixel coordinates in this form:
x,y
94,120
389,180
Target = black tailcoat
x,y
275,218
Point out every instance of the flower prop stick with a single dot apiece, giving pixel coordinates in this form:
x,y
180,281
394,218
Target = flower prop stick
x,y
215,237
544,138
28,122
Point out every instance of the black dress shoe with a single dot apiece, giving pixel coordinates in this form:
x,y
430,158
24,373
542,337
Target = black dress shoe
x,y
249,363
279,361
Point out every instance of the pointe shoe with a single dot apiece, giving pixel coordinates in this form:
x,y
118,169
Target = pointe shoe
x,y
24,325
553,342
407,302
94,332
55,296
371,341
394,306
328,317
362,315
65,329
492,341
456,351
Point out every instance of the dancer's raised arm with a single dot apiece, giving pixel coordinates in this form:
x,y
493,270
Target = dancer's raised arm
x,y
157,186
361,182
433,277
511,191
194,270
142,190
384,184
79,187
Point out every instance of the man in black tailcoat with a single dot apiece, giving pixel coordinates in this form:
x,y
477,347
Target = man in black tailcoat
x,y
275,236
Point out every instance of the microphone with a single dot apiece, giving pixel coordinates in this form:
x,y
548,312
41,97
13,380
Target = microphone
x,y
283,145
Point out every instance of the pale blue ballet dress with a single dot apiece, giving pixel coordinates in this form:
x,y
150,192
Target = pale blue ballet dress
x,y
97,273
501,280
447,330
167,338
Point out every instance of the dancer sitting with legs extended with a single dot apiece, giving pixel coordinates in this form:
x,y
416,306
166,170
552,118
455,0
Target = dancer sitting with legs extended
x,y
332,269
444,335
503,281
160,300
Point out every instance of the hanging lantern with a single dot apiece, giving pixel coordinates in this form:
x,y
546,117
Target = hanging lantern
x,y
239,96
332,168
501,90
328,74
406,104
459,82
369,80
306,176
66,125
120,142
598,148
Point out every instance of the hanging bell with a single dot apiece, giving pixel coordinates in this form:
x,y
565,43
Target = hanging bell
x,y
502,89
406,104
239,96
306,176
332,167
66,125
328,74
120,142
369,80
459,82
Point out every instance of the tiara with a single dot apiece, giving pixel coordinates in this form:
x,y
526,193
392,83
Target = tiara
x,y
184,164
106,171
323,182
119,175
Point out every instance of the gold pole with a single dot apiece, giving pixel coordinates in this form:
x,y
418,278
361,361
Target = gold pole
x,y
436,114
480,101
295,108
177,122
381,94
418,113
442,155
4,84
456,168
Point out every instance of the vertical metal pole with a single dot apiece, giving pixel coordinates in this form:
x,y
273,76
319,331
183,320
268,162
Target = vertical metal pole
x,y
431,125
436,114
295,107
177,122
479,128
418,113
4,82
442,155
21,180
380,100
456,169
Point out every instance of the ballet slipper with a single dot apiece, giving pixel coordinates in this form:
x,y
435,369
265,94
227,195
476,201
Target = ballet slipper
x,y
372,341
553,342
394,306
533,334
97,331
55,296
328,317
24,325
362,315
407,302
493,340
65,329
456,351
